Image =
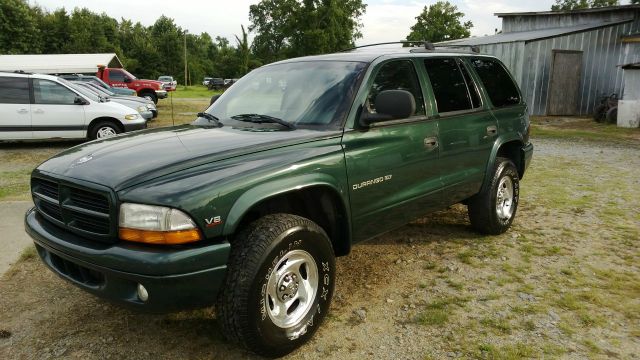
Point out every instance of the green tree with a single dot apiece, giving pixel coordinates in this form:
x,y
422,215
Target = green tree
x,y
439,22
244,50
19,32
563,5
286,28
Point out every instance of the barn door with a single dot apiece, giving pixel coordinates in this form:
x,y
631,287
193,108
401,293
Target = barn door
x,y
564,89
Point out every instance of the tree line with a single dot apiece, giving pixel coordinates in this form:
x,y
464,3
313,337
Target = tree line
x,y
283,29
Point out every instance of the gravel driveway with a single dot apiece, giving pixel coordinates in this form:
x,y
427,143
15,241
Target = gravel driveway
x,y
563,282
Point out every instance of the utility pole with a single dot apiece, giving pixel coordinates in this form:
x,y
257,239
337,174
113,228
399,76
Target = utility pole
x,y
185,58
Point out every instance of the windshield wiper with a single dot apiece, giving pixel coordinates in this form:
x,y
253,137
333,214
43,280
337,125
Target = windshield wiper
x,y
210,118
258,118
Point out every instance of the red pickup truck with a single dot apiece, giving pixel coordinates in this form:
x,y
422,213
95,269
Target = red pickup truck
x,y
121,78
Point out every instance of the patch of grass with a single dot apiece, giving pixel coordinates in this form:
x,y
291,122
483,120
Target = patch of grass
x,y
515,351
429,265
194,91
553,349
502,325
184,111
466,256
28,253
437,312
455,285
569,301
566,328
14,185
589,320
591,346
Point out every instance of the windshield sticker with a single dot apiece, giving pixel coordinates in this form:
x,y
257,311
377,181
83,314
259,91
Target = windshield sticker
x,y
375,181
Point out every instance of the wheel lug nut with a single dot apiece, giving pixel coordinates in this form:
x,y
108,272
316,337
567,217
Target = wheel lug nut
x,y
282,288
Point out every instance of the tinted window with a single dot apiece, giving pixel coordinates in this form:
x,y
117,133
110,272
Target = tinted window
x,y
49,92
116,75
397,75
14,90
471,86
449,86
499,85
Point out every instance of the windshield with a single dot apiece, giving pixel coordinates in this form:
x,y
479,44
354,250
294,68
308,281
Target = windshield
x,y
81,89
315,94
165,78
128,74
95,87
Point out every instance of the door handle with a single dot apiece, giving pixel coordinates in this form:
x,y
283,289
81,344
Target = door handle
x,y
430,143
39,111
23,111
492,130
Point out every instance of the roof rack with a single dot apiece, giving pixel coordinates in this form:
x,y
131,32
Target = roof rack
x,y
425,46
21,72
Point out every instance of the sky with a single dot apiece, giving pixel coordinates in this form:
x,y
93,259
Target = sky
x,y
384,20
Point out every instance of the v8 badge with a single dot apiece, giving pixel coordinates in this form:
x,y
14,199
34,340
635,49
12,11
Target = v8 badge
x,y
214,221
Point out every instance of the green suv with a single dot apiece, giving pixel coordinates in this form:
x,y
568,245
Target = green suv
x,y
248,207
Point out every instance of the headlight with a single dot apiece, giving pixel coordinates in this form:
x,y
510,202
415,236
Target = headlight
x,y
131,117
142,108
150,107
156,225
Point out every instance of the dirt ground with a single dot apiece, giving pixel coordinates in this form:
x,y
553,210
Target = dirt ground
x,y
564,282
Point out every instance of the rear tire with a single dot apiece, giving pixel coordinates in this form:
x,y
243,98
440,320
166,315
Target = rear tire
x,y
279,284
492,211
103,129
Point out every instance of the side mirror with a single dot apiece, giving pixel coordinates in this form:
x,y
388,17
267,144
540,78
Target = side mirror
x,y
80,101
391,105
127,80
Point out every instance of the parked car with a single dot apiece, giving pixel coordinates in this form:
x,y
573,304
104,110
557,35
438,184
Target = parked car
x,y
215,84
229,82
95,79
34,106
86,89
141,101
116,77
168,82
206,80
285,171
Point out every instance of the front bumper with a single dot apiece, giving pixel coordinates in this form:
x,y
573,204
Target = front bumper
x,y
175,278
162,94
138,125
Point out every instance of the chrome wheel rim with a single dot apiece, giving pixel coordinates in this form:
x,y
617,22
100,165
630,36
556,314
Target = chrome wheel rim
x,y
504,199
105,132
291,288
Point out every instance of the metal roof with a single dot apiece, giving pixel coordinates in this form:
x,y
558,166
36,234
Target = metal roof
x,y
532,35
58,63
578,11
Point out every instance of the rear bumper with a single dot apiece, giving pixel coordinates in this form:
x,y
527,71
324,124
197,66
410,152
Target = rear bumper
x,y
175,278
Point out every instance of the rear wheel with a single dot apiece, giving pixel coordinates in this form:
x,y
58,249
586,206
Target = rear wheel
x,y
492,211
104,129
279,284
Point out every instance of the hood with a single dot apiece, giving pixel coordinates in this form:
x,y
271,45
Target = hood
x,y
130,159
155,84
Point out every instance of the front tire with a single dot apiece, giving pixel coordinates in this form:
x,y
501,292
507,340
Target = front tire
x,y
492,211
279,285
103,130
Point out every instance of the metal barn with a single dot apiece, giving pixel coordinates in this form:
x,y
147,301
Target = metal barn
x,y
565,61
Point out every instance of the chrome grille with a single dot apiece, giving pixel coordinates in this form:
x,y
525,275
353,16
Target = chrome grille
x,y
85,212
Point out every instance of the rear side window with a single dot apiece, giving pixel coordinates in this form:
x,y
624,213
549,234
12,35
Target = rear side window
x,y
449,85
14,90
397,75
49,92
496,80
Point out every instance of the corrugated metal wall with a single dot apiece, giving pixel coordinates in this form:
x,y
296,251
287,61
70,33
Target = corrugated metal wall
x,y
528,23
602,49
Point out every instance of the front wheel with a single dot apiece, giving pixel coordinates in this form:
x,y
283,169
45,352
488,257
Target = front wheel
x,y
492,211
103,129
279,285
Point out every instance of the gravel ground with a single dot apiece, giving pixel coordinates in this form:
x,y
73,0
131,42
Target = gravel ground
x,y
562,283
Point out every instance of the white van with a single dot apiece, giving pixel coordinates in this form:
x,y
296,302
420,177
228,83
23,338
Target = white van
x,y
35,106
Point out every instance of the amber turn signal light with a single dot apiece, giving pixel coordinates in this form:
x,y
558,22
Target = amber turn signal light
x,y
160,237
